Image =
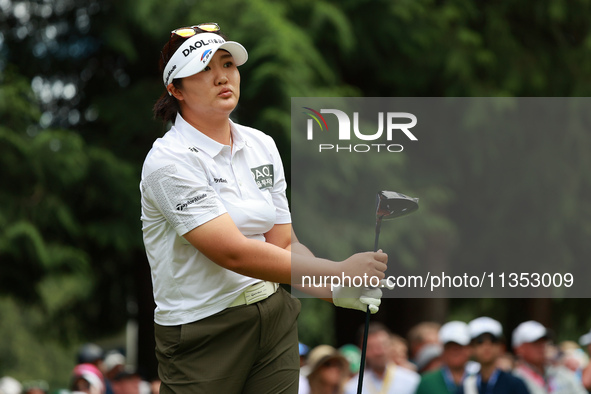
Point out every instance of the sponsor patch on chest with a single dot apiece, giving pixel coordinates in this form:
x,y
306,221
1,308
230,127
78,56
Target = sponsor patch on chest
x,y
263,176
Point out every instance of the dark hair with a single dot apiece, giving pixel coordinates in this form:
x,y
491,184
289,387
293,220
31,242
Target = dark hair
x,y
167,105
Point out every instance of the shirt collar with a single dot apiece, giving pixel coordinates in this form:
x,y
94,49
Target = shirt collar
x,y
238,139
205,143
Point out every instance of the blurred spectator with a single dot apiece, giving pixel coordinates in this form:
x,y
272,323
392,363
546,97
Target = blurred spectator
x,y
155,386
304,387
429,358
585,341
455,339
129,381
35,387
353,355
506,362
573,357
486,336
303,349
530,339
552,353
399,352
91,353
113,364
9,385
422,334
327,370
381,375
86,378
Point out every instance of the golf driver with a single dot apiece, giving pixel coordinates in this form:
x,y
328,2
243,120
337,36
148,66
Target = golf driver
x,y
389,205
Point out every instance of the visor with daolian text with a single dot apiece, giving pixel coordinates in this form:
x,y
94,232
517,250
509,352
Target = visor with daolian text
x,y
196,52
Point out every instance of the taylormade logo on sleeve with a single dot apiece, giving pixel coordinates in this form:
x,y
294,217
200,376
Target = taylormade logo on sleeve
x,y
396,124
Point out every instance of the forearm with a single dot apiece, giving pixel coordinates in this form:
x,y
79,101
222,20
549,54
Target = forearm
x,y
283,235
318,292
269,262
300,249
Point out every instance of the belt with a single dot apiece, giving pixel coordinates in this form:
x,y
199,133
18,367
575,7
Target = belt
x,y
255,293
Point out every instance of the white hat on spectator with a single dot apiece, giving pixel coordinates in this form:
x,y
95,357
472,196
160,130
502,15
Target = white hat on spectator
x,y
528,332
321,355
113,359
427,354
9,385
454,331
585,340
485,325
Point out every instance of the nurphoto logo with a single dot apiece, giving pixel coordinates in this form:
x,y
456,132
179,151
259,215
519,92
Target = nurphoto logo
x,y
393,127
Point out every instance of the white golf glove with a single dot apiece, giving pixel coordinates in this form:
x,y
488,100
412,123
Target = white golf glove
x,y
359,297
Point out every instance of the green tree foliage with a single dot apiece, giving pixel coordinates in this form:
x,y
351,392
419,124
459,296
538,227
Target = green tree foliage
x,y
64,235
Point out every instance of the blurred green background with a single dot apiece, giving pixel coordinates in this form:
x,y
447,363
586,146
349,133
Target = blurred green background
x,y
78,79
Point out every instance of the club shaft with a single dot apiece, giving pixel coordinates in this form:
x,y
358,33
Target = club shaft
x,y
363,353
377,238
367,314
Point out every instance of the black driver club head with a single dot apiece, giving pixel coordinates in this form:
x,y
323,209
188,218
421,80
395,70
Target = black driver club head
x,y
392,205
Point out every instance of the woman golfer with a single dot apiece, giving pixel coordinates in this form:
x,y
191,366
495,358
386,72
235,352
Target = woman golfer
x,y
217,231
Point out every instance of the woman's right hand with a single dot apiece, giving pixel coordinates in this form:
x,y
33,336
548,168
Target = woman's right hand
x,y
365,265
361,280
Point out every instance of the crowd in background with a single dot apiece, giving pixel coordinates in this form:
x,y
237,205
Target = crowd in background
x,y
96,372
456,357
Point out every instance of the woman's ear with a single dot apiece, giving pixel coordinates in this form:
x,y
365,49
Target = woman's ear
x,y
174,91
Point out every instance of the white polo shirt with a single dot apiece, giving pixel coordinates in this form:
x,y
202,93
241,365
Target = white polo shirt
x,y
189,179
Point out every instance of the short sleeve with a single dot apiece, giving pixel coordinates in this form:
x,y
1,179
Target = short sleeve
x,y
278,192
180,191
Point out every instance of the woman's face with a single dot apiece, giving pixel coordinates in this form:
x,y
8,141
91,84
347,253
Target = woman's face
x,y
213,91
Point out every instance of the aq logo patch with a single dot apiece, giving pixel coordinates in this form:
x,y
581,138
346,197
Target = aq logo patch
x,y
263,176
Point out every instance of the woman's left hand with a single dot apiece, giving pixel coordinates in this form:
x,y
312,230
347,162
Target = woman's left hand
x,y
359,298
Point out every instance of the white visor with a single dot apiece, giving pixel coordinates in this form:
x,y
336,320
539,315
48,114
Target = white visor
x,y
196,52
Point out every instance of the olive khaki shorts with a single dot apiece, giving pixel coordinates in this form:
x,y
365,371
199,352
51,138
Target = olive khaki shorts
x,y
243,349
